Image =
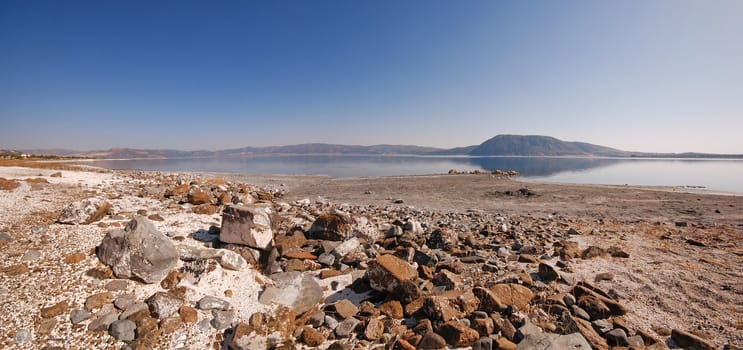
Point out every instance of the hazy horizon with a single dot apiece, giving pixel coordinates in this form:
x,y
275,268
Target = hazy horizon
x,y
637,76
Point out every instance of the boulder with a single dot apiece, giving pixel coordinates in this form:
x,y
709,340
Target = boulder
x,y
251,225
84,212
331,226
296,290
138,250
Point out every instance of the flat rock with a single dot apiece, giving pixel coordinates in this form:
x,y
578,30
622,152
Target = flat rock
x,y
77,316
296,290
138,250
102,322
54,310
209,303
345,309
513,294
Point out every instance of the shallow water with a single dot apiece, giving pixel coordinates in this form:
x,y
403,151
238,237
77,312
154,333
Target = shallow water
x,y
712,174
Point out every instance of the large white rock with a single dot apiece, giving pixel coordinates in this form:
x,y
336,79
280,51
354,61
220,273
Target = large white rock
x,y
251,225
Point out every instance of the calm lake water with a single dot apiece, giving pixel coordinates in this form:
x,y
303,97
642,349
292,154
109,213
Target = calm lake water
x,y
712,174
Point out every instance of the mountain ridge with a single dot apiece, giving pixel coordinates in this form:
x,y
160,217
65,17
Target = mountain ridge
x,y
499,145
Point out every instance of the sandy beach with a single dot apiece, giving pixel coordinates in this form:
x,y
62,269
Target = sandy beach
x,y
680,267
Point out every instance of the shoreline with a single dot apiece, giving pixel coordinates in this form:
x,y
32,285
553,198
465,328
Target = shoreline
x,y
680,268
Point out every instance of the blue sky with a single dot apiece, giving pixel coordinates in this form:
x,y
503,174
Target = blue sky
x,y
662,76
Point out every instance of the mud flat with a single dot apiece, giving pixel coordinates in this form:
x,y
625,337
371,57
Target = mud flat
x,y
430,262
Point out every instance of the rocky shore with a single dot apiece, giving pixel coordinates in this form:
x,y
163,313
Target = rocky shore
x,y
148,260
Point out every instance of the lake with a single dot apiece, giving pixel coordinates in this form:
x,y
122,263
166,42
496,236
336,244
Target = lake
x,y
712,174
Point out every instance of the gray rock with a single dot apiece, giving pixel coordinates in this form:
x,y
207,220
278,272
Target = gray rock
x,y
577,311
616,337
346,326
133,309
331,323
4,237
636,342
547,272
231,260
394,231
526,330
204,326
122,330
77,316
317,319
222,319
102,322
602,326
413,227
551,341
138,250
326,259
116,285
124,301
251,225
162,305
209,303
297,290
23,336
484,343
31,255
83,212
346,247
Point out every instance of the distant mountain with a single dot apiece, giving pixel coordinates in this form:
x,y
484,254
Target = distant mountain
x,y
501,145
535,145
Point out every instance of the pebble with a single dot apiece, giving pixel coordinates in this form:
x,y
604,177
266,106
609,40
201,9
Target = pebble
x,y
23,336
77,316
123,330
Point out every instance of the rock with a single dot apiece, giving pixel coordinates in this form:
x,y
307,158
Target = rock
x,y
586,330
593,252
5,238
222,319
31,255
296,290
440,308
312,337
689,341
326,259
15,270
617,252
547,273
77,316
593,305
345,327
23,336
197,197
74,258
84,212
432,341
513,294
374,329
138,250
457,335
345,309
188,314
567,250
551,341
54,310
251,225
122,330
116,285
331,226
484,326
616,337
387,272
414,227
346,247
123,301
102,322
504,344
133,309
604,276
448,280
96,301
170,324
293,241
392,309
484,343
443,239
163,305
635,342
172,279
209,303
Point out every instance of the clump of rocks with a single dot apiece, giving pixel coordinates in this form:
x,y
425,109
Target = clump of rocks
x,y
420,279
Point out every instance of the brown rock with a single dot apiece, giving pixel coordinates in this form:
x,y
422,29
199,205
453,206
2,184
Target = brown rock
x,y
47,326
345,309
513,294
312,337
593,252
102,210
432,341
156,217
293,241
295,265
299,254
458,335
596,341
374,329
504,344
205,209
547,272
8,185
593,305
386,272
240,336
392,309
414,306
448,280
489,302
15,270
528,258
483,326
197,197
188,314
690,341
54,310
74,258
57,174
178,191
331,226
403,344
443,239
170,324
467,302
567,250
328,273
172,279
617,252
96,301
425,272
439,308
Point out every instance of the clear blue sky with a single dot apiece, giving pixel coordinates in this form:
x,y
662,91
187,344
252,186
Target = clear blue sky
x,y
636,75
